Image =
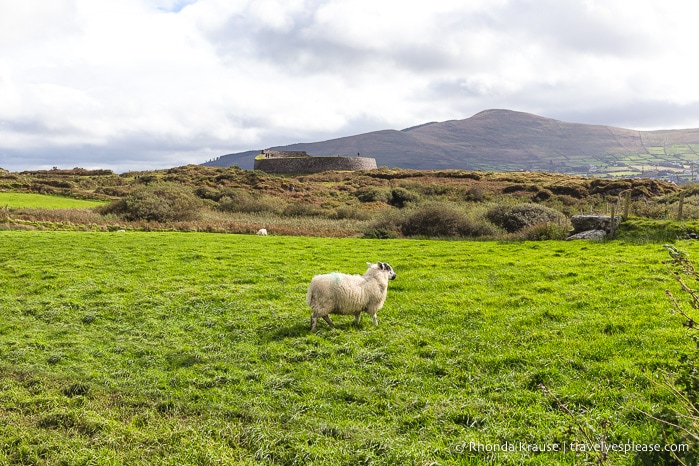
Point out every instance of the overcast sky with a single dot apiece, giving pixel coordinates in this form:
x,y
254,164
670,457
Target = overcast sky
x,y
142,84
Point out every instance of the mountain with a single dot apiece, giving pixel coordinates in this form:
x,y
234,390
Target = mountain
x,y
505,140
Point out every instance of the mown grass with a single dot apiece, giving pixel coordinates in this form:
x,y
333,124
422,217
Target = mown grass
x,y
39,201
175,348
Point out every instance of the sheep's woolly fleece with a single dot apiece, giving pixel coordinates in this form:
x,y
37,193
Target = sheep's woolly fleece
x,y
338,293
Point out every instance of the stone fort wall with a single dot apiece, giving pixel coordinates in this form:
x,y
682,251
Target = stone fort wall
x,y
280,165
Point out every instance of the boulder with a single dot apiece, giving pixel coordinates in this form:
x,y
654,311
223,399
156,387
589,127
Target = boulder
x,y
595,235
594,222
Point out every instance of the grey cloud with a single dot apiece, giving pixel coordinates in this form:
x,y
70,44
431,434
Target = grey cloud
x,y
120,157
307,47
127,152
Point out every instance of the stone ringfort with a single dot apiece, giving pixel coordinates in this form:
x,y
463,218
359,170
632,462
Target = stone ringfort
x,y
280,162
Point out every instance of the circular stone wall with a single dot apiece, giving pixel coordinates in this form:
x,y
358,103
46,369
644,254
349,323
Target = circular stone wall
x,y
313,164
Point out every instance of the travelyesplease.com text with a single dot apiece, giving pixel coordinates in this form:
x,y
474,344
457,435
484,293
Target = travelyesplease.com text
x,y
579,447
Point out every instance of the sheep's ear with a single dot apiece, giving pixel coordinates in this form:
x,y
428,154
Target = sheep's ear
x,y
382,266
369,264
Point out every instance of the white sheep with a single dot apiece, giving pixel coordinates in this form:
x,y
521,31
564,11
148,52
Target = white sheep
x,y
262,232
338,293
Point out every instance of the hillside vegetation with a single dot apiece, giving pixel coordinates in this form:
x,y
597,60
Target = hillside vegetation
x,y
379,203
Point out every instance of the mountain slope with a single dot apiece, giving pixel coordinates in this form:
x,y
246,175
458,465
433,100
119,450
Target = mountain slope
x,y
501,140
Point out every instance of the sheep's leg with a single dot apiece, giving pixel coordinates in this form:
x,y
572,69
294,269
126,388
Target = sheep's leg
x,y
357,318
330,322
373,317
314,320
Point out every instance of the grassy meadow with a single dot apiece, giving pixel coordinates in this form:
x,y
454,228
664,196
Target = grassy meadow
x,y
39,201
190,348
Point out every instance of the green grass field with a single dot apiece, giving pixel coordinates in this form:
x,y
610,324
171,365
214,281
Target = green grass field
x,y
187,348
30,200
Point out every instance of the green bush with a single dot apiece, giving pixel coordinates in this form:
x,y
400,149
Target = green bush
x,y
397,197
434,189
380,233
400,197
650,210
473,194
238,200
373,194
515,218
162,202
542,232
433,220
206,192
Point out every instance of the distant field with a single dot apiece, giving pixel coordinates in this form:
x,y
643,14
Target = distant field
x,y
29,200
639,164
188,348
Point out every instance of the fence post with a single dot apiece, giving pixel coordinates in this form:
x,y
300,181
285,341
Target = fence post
x,y
627,205
680,207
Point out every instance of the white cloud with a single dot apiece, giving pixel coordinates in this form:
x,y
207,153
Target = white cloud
x,y
155,83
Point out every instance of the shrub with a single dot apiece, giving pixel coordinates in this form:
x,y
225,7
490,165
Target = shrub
x,y
474,194
432,220
435,189
648,209
298,209
400,197
386,224
380,233
373,194
514,218
162,202
238,200
543,195
691,189
206,192
542,232
349,212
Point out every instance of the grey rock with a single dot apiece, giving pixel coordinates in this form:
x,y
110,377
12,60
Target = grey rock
x,y
595,235
583,223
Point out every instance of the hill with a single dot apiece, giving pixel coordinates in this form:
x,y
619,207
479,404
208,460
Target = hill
x,y
505,140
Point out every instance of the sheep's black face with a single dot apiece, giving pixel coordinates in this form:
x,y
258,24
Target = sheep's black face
x,y
388,269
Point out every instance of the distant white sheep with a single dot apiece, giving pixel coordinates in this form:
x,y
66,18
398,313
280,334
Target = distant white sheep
x,y
338,293
262,232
